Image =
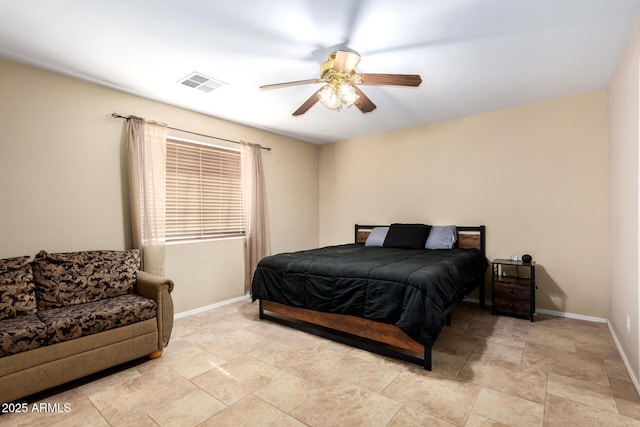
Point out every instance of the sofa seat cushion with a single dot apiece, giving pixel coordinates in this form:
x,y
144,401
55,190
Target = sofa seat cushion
x,y
67,323
17,290
64,279
20,334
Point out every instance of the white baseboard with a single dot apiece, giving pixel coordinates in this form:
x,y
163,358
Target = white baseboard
x,y
571,315
634,380
553,312
210,307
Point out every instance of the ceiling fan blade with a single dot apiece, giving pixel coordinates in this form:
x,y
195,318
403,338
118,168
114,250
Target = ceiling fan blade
x,y
413,80
287,84
307,104
345,61
363,103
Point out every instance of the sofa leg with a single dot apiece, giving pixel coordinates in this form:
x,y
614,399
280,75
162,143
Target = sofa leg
x,y
156,354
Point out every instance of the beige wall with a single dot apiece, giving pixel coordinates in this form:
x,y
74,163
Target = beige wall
x,y
535,175
624,137
63,179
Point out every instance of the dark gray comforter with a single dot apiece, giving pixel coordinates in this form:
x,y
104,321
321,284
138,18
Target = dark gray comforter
x,y
408,288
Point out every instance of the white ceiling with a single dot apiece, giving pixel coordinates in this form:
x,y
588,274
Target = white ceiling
x,y
473,55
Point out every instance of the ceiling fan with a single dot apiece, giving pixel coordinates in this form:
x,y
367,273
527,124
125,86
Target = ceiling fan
x,y
338,73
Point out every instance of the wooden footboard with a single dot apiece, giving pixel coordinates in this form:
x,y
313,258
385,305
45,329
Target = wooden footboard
x,y
364,328
380,333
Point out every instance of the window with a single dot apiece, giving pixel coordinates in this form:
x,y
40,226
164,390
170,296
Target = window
x,y
204,193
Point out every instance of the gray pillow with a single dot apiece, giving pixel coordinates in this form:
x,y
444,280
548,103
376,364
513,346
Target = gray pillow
x,y
377,236
441,237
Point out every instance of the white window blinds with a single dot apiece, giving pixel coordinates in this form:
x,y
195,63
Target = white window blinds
x,y
204,193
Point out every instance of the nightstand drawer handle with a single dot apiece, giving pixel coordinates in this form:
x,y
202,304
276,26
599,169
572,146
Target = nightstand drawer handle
x,y
511,290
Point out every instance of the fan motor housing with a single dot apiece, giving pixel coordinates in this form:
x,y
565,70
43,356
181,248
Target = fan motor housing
x,y
327,65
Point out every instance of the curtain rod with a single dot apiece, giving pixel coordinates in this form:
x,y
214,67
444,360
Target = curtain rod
x,y
118,116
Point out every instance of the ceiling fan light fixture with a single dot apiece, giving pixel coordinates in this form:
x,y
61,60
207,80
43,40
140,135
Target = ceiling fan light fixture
x,y
348,94
338,73
329,97
336,94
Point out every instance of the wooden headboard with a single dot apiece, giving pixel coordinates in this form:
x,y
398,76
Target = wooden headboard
x,y
468,236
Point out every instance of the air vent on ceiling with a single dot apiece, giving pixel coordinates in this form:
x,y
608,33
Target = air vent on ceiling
x,y
201,82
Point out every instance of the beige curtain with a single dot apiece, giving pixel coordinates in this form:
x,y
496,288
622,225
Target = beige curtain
x,y
147,190
257,241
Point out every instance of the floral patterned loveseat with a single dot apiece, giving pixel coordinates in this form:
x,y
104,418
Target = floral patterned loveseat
x,y
66,315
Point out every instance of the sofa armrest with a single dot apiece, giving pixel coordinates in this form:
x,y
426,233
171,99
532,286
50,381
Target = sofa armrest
x,y
158,289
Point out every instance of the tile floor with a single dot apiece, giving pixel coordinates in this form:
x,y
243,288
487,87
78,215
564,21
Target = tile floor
x,y
225,367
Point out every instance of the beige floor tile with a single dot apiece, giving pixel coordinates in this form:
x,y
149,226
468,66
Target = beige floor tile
x,y
476,420
569,364
629,409
624,390
384,362
185,358
368,374
592,329
237,378
450,352
490,350
599,344
586,392
189,410
445,365
275,332
487,321
334,345
519,380
110,381
229,345
271,352
410,417
507,409
617,370
343,404
557,326
626,396
502,335
562,412
453,343
287,392
194,328
542,336
449,400
132,398
232,322
251,411
316,364
485,316
144,421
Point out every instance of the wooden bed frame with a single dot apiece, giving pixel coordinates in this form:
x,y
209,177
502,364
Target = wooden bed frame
x,y
377,337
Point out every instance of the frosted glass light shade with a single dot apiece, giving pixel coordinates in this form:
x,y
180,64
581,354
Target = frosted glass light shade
x,y
348,94
329,97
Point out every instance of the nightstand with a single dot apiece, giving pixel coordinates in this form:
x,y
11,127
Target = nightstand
x,y
513,286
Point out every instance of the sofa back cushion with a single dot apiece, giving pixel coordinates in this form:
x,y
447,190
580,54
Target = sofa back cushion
x,y
17,290
64,279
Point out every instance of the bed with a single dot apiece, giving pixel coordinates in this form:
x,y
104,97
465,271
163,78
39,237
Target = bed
x,y
389,300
